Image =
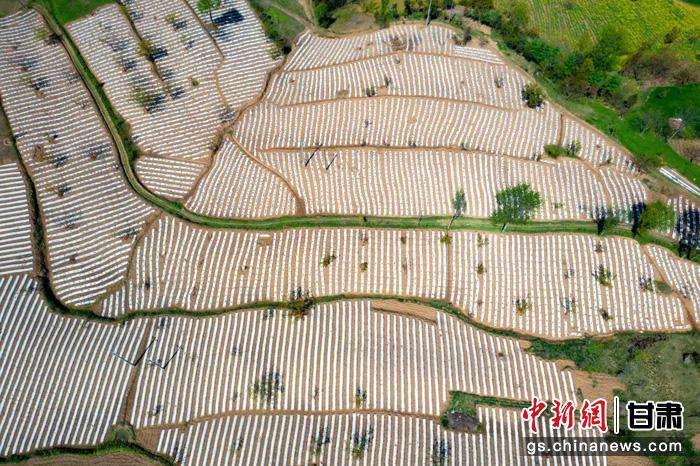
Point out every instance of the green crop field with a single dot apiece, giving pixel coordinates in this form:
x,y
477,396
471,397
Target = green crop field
x,y
564,21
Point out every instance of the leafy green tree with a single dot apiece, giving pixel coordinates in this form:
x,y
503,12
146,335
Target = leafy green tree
x,y
533,95
206,6
459,203
613,42
605,220
656,216
515,205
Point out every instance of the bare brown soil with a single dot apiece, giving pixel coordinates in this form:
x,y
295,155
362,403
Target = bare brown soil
x,y
107,459
7,151
629,461
406,309
593,385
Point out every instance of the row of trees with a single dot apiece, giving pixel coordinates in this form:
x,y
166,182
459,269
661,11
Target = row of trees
x,y
517,204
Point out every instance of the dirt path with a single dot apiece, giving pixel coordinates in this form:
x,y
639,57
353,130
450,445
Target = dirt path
x,y
146,435
128,405
299,200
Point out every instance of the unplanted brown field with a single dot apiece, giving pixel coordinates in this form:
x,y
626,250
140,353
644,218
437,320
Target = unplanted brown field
x,y
98,459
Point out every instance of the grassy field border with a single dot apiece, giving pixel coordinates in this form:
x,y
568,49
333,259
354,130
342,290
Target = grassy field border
x,y
98,450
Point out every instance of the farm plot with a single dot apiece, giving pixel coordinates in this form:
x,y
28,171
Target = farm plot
x,y
681,275
644,21
60,381
342,356
687,218
171,103
236,186
91,218
552,286
422,182
344,117
333,438
399,74
194,83
404,122
168,177
15,224
248,53
180,266
316,52
560,286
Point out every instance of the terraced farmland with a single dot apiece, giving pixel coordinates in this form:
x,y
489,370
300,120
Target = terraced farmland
x,y
15,227
562,293
191,314
193,84
91,217
323,362
394,122
60,380
392,440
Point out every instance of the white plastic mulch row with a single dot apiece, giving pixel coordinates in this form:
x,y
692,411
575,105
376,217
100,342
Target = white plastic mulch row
x,y
415,182
236,186
401,363
184,122
407,74
60,382
415,121
178,266
15,224
683,276
555,275
91,216
314,51
168,177
391,439
249,55
687,218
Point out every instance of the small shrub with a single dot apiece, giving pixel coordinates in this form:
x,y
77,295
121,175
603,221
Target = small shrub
x,y
299,303
446,239
603,275
481,241
440,452
522,305
555,150
360,441
370,91
146,99
327,259
480,269
194,82
360,398
569,304
646,283
320,441
145,49
363,267
573,148
599,247
604,314
266,388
